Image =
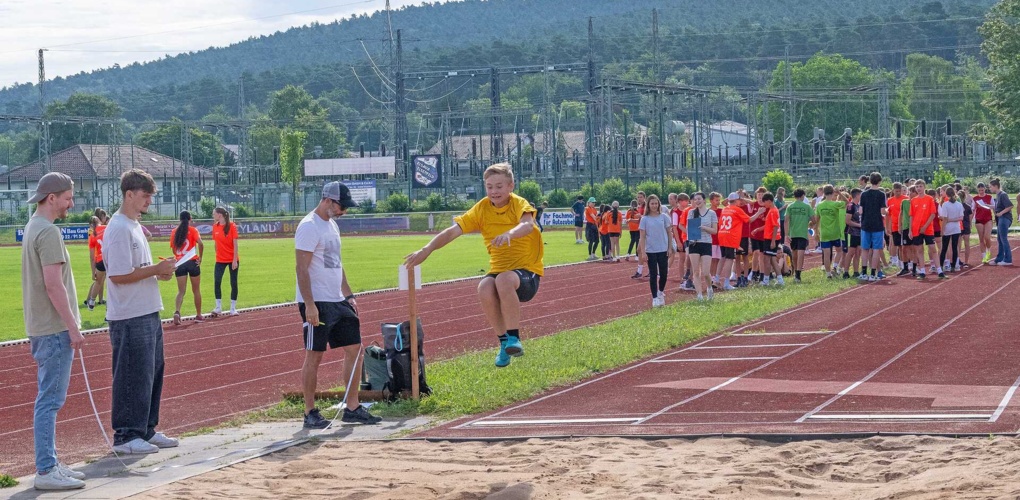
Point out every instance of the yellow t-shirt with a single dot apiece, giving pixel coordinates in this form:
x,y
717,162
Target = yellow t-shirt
x,y
523,253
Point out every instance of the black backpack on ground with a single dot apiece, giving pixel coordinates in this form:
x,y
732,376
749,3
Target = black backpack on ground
x,y
397,343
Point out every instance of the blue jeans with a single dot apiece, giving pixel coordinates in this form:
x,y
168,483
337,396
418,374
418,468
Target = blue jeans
x,y
1002,229
137,377
53,355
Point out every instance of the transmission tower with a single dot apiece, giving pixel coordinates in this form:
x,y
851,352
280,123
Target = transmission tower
x,y
186,160
44,126
114,166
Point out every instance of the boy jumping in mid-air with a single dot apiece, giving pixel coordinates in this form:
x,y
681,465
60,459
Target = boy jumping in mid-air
x,y
507,224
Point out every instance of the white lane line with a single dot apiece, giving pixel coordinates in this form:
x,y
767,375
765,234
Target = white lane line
x,y
711,359
916,416
797,350
748,346
905,351
554,421
768,334
671,353
1005,401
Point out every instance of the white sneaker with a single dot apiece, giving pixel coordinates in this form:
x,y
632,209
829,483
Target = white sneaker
x,y
233,312
216,311
728,287
779,281
136,446
701,298
657,302
55,480
69,472
956,269
709,293
765,282
162,441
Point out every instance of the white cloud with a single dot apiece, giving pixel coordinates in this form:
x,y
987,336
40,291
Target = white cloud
x,y
85,35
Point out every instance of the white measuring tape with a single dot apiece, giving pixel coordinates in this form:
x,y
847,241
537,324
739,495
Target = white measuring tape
x,y
95,411
347,390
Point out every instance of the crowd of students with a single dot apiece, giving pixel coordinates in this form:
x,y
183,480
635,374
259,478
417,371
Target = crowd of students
x,y
723,243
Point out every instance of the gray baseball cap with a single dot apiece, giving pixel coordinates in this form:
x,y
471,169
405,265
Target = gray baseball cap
x,y
53,182
339,193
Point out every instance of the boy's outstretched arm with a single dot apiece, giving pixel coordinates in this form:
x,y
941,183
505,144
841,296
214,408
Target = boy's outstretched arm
x,y
520,230
439,241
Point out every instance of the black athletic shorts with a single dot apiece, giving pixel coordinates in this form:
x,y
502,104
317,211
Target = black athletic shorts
x,y
745,245
728,253
897,239
923,240
101,266
578,221
769,249
338,326
757,245
905,238
614,235
699,248
851,241
798,243
189,268
529,284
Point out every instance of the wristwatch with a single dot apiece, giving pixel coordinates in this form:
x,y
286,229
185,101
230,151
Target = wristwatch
x,y
349,297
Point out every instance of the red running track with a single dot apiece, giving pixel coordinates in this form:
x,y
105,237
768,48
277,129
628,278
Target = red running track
x,y
232,365
897,356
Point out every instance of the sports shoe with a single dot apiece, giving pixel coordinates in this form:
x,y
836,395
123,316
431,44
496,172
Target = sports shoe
x,y
359,415
862,277
636,276
881,275
942,276
903,272
797,280
233,312
728,287
162,441
921,276
56,480
846,275
216,311
957,269
90,303
136,446
779,281
314,420
69,472
657,302
765,281
931,269
662,298
701,298
709,294
502,358
514,347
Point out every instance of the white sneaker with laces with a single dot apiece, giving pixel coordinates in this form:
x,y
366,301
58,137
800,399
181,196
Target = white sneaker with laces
x,y
136,446
233,312
55,480
216,311
161,440
779,281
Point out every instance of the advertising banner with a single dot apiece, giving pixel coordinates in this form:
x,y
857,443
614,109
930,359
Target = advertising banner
x,y
68,232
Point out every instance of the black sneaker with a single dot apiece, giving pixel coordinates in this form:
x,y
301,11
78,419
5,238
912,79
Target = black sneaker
x,y
636,276
313,420
359,416
903,272
942,276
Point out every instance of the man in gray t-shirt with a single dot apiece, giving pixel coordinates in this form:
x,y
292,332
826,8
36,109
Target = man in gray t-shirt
x,y
1003,219
52,323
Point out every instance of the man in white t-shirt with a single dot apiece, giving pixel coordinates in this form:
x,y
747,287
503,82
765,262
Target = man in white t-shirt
x,y
133,304
327,306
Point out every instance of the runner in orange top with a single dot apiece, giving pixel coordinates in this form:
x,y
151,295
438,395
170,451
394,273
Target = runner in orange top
x,y
892,224
633,219
604,231
614,219
187,246
96,231
922,230
591,228
731,230
224,234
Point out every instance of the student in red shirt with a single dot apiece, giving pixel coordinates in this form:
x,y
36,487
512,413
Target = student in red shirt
x,y
614,219
187,246
770,236
224,235
96,260
923,212
714,200
983,221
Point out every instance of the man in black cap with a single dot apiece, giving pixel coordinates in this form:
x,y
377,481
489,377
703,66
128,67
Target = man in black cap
x,y
326,304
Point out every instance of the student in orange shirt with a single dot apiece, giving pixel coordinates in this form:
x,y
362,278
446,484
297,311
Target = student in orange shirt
x,y
224,235
604,231
731,231
923,211
187,246
892,225
679,215
770,236
633,220
714,201
614,219
96,231
591,228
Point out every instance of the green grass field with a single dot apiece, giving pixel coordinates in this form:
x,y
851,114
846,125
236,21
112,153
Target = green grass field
x,y
267,271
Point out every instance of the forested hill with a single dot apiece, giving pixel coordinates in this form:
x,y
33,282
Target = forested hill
x,y
483,32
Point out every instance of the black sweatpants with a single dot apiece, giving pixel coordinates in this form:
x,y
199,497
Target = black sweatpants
x,y
658,271
635,238
218,277
953,240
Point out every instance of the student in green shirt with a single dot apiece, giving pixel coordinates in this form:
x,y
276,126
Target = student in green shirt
x,y
799,217
831,221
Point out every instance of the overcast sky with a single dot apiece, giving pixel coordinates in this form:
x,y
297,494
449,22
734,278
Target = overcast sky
x,y
83,35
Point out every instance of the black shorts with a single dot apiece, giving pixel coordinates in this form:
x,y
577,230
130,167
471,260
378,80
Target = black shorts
x,y
614,235
529,284
700,248
798,243
745,245
338,326
851,241
938,234
966,227
591,232
923,240
189,268
757,245
578,221
770,248
728,253
101,266
897,239
905,238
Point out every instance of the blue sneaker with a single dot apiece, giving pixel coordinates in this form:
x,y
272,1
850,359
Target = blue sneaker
x,y
881,275
502,358
514,347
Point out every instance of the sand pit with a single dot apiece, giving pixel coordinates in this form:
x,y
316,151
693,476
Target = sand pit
x,y
600,468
